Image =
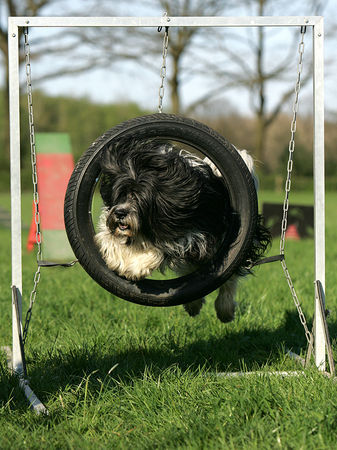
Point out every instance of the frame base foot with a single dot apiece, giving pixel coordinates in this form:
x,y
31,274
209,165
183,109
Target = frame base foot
x,y
36,405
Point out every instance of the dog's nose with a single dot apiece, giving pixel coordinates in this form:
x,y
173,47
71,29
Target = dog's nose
x,y
120,213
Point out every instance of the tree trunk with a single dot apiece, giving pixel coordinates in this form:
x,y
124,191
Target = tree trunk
x,y
174,85
261,132
260,111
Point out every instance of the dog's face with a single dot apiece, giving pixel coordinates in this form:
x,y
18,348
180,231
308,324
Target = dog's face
x,y
123,219
129,200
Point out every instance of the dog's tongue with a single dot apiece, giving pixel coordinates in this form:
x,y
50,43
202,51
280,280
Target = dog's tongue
x,y
123,227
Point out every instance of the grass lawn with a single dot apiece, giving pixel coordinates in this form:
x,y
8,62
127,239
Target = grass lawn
x,y
117,375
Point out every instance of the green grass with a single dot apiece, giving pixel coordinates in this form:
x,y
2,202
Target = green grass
x,y
117,375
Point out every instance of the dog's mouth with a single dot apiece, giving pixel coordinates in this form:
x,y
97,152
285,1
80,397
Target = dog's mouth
x,y
119,225
122,222
123,227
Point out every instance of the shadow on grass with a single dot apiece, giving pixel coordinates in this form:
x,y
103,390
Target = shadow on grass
x,y
252,349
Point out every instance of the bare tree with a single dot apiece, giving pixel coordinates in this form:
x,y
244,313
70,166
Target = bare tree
x,y
264,117
143,45
250,70
214,55
59,42
181,39
14,8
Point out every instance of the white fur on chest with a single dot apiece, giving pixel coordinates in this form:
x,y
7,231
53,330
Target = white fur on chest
x,y
134,261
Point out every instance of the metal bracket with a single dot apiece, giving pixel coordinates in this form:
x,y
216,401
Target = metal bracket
x,y
35,403
323,314
19,328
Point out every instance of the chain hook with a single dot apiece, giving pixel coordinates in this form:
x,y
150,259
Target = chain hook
x,y
160,26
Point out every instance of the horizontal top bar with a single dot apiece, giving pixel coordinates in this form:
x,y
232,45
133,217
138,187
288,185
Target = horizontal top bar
x,y
253,21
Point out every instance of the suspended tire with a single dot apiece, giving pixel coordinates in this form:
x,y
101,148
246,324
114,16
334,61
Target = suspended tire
x,y
241,191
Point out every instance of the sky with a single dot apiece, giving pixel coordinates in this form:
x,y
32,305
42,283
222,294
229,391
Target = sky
x,y
135,82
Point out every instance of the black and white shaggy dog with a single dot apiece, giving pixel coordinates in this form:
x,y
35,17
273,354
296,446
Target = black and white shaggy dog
x,y
164,207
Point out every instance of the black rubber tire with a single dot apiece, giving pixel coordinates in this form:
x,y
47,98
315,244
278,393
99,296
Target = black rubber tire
x,y
242,194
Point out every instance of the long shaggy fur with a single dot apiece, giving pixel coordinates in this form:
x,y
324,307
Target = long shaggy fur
x,y
164,207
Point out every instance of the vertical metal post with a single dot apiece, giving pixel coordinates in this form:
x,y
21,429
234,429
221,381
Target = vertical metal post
x,y
16,237
14,113
319,193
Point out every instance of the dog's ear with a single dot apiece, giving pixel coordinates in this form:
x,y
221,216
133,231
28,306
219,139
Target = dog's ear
x,y
107,160
106,189
113,155
108,168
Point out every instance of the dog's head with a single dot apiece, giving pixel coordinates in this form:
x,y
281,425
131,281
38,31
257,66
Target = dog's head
x,y
123,219
151,190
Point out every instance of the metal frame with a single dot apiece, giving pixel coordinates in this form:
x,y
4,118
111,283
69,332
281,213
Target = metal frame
x,y
14,23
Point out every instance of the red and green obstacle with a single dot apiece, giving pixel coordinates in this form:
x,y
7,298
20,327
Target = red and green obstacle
x,y
54,164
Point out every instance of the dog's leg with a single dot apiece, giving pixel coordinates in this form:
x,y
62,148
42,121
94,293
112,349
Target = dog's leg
x,y
193,308
225,302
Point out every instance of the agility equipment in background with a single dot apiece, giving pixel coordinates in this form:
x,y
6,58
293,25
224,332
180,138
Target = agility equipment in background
x,y
300,220
54,165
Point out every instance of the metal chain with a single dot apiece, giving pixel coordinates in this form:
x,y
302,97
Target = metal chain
x,y
163,68
37,221
291,149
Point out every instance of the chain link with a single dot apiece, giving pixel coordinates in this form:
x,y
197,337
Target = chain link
x,y
38,235
291,150
163,68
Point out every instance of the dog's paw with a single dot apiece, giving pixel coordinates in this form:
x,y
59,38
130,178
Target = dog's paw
x,y
225,311
224,303
193,308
